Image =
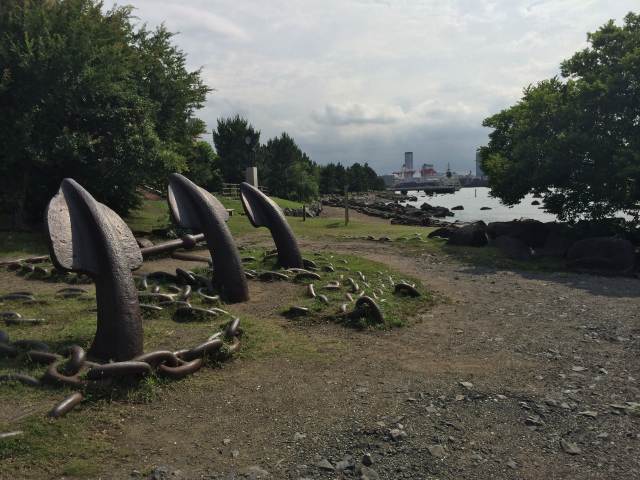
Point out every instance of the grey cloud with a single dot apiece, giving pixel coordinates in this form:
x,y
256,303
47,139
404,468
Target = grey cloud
x,y
357,114
365,80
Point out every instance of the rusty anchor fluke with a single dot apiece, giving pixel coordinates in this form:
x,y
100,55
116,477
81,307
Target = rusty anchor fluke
x,y
86,236
263,212
195,208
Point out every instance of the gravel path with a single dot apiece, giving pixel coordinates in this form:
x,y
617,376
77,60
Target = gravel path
x,y
511,375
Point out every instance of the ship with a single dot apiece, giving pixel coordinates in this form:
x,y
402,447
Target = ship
x,y
429,181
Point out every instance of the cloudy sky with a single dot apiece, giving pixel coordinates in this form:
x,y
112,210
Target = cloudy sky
x,y
367,80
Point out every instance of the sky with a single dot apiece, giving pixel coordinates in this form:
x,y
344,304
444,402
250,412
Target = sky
x,y
366,80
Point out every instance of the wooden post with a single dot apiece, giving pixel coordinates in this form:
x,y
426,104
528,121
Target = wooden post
x,y
346,206
304,213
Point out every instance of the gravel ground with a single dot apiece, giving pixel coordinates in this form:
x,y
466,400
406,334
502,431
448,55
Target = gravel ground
x,y
511,375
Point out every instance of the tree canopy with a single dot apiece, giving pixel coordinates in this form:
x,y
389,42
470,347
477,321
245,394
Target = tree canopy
x,y
86,95
236,143
334,178
286,170
575,139
283,167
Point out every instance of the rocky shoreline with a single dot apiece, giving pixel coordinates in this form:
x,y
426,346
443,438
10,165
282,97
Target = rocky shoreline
x,y
608,247
386,205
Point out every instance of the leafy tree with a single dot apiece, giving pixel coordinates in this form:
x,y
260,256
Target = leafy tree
x,y
575,140
358,178
85,95
287,171
203,167
236,154
332,178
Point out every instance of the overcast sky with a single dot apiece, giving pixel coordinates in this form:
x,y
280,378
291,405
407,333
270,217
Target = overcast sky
x,y
367,80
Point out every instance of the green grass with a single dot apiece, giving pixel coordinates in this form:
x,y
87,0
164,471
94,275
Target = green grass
x,y
15,245
379,283
152,214
54,446
336,229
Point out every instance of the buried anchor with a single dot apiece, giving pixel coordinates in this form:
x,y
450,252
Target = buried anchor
x,y
195,208
263,212
88,237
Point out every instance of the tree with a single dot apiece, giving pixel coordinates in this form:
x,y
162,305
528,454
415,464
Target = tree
x,y
357,178
86,95
236,154
287,171
332,178
575,140
203,167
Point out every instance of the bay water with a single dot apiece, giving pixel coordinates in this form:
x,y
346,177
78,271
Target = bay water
x,y
473,199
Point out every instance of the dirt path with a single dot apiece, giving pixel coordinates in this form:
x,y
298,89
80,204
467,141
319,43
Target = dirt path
x,y
545,357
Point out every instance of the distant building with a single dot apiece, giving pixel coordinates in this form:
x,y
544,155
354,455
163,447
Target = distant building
x,y
428,170
479,172
407,171
408,160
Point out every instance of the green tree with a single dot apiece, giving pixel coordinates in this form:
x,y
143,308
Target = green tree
x,y
358,178
86,95
332,178
236,143
287,171
203,166
575,140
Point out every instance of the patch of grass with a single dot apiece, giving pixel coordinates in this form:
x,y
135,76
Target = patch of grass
x,y
152,214
336,229
14,245
267,339
48,446
371,278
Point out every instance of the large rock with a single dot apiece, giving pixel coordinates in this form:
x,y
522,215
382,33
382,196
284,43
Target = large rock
x,y
472,235
531,232
443,232
512,248
605,255
559,239
438,212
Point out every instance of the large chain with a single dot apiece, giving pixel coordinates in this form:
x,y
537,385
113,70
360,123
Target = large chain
x,y
67,369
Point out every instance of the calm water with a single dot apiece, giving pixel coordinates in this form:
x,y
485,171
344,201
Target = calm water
x,y
472,199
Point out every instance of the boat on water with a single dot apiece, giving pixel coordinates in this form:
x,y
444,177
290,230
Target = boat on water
x,y
429,181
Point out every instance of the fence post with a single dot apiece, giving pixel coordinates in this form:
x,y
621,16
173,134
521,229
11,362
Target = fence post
x,y
346,206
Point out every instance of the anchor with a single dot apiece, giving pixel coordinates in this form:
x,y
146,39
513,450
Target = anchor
x,y
86,236
263,212
195,208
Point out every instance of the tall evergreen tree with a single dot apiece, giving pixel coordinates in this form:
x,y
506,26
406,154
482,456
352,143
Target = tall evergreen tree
x,y
237,143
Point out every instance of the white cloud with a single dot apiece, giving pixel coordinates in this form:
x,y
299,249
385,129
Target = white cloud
x,y
365,80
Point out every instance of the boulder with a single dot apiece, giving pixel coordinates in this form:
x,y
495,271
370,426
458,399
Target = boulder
x,y
486,208
438,212
559,239
458,207
604,255
532,232
512,248
443,232
472,235
535,202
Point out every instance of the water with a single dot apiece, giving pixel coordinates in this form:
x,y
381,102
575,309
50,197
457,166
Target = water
x,y
472,199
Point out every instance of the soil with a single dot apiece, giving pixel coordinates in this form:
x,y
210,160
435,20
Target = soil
x,y
511,375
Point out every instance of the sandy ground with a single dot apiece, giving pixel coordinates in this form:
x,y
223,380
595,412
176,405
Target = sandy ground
x,y
550,360
511,375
